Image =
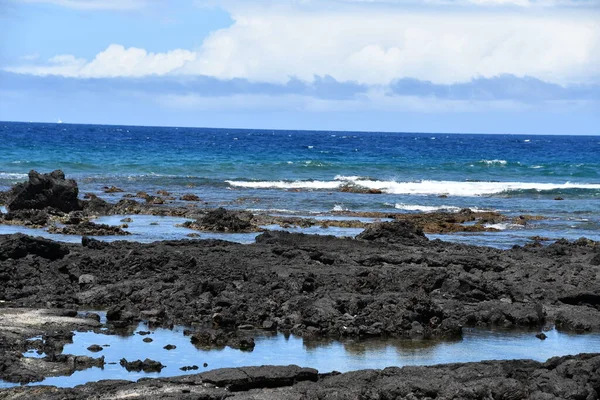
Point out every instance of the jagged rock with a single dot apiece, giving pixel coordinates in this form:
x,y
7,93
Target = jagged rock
x,y
393,232
45,190
222,220
190,197
89,228
147,365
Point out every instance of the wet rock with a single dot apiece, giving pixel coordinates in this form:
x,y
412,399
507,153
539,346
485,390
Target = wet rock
x,y
95,348
147,365
353,188
170,347
26,217
190,197
241,343
44,190
393,232
541,336
88,228
189,368
93,316
147,340
222,220
112,189
96,206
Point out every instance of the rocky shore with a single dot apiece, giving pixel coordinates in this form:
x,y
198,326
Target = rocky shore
x,y
571,377
391,281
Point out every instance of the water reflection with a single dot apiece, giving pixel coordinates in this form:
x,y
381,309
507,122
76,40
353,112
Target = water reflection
x,y
325,355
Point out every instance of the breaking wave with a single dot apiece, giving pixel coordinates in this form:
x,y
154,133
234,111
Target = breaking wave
x,y
424,187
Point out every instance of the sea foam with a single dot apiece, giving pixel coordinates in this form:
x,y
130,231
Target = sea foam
x,y
424,187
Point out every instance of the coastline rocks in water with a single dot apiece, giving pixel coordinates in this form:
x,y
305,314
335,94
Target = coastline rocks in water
x,y
147,365
96,206
349,188
112,189
209,338
95,348
26,217
88,228
190,197
43,191
222,220
393,232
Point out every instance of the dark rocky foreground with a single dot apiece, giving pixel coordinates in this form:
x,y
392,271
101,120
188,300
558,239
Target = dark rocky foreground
x,y
571,377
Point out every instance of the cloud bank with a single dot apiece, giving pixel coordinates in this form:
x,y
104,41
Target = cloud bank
x,y
372,45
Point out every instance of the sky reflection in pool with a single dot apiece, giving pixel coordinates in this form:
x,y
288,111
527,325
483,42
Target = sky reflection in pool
x,y
325,355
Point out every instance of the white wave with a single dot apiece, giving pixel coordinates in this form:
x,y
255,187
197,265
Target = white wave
x,y
10,175
415,207
350,178
493,162
425,187
338,207
502,226
286,185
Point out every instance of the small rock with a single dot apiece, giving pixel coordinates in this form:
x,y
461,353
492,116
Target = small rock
x,y
95,348
147,365
541,336
190,197
87,279
189,368
147,340
170,347
269,325
558,198
127,219
112,189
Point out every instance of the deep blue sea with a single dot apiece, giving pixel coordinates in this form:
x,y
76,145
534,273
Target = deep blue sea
x,y
300,171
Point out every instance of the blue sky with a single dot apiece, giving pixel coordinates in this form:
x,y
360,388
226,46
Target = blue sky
x,y
485,66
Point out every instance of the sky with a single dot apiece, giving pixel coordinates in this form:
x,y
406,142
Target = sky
x,y
472,66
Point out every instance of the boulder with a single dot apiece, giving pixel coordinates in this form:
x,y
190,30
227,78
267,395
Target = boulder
x,y
394,232
45,190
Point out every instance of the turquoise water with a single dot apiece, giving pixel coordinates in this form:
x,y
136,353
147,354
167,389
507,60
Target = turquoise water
x,y
301,172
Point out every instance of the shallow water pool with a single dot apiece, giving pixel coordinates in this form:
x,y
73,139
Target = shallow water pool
x,y
324,355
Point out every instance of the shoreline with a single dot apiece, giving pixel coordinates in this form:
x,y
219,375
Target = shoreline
x,y
390,281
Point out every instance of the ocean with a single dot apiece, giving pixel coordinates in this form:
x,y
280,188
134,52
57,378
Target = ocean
x,y
301,172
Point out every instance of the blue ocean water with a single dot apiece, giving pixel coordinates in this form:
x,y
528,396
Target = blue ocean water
x,y
300,172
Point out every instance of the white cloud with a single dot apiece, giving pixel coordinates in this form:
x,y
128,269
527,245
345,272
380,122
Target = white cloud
x,y
115,61
94,4
371,44
374,45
